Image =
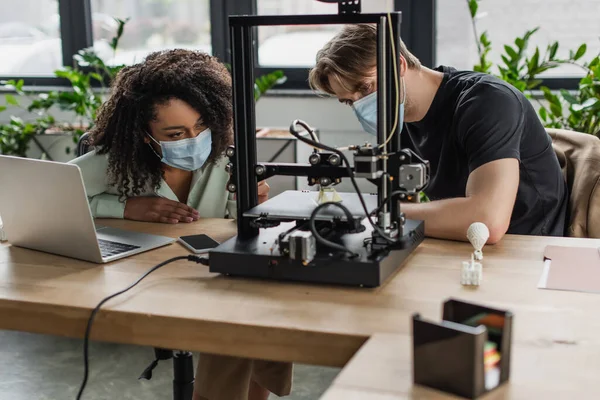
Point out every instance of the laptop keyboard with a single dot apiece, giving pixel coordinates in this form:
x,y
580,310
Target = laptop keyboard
x,y
108,248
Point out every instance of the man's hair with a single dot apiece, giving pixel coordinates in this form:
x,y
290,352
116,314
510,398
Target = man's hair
x,y
350,57
123,121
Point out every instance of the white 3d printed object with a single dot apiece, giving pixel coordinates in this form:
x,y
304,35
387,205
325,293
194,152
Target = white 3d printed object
x,y
478,234
328,194
2,233
471,273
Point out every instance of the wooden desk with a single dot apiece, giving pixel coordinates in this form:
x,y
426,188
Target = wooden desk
x,y
543,369
183,306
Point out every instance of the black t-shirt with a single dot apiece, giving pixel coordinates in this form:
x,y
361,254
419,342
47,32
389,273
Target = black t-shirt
x,y
476,118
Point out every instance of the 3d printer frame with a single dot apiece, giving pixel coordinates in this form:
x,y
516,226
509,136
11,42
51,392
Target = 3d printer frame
x,y
251,252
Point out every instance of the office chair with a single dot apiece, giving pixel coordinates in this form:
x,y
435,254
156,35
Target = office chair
x,y
83,145
183,365
579,158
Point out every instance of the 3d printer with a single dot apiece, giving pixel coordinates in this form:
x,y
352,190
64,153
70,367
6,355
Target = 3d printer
x,y
353,238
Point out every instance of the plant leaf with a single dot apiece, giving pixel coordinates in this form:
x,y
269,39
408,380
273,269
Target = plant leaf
x,y
521,85
552,50
10,99
114,43
265,82
533,84
520,43
568,97
473,6
2,108
485,40
589,103
511,52
533,64
16,121
547,94
96,76
556,109
543,114
529,33
580,52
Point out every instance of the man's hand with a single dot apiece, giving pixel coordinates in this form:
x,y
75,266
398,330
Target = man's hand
x,y
158,209
263,191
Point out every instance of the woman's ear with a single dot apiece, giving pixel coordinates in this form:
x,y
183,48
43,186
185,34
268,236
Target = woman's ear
x,y
148,138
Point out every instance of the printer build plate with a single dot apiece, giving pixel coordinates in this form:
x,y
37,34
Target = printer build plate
x,y
298,205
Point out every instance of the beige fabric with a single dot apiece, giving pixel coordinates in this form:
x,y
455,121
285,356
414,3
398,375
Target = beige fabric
x,y
228,378
579,158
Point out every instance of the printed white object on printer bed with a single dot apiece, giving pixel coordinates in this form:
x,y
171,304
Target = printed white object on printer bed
x,y
2,233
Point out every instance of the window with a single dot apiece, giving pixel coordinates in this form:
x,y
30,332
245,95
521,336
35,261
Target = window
x,y
569,23
30,42
297,46
293,46
35,43
153,25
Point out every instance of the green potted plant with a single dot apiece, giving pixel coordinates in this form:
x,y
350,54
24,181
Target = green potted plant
x,y
82,98
574,110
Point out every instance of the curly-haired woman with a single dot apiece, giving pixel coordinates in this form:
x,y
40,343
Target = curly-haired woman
x,y
158,156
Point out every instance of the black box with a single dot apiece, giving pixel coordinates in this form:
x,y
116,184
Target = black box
x,y
449,356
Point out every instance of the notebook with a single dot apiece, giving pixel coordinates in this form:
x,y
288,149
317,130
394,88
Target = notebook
x,y
571,268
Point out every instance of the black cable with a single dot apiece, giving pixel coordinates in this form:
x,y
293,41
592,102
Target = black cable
x,y
320,238
88,329
386,200
392,195
350,174
310,130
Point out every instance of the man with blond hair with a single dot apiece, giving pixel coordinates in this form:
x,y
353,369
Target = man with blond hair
x,y
491,159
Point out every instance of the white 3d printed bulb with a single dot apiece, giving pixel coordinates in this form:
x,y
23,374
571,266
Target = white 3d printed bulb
x,y
478,234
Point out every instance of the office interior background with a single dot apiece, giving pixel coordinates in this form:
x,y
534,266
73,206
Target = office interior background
x,y
38,37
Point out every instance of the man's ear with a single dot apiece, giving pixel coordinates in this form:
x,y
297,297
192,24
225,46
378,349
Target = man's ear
x,y
403,66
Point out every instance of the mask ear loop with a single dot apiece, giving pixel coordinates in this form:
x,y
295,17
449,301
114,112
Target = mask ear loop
x,y
403,91
152,148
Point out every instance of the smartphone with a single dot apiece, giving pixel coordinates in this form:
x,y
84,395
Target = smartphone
x,y
198,243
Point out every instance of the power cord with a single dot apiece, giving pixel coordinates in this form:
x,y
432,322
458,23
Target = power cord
x,y
350,174
395,64
391,197
88,329
320,238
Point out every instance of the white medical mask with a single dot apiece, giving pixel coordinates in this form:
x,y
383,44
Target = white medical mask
x,y
366,111
187,154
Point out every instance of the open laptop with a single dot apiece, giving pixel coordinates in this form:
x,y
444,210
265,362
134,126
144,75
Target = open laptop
x,y
44,207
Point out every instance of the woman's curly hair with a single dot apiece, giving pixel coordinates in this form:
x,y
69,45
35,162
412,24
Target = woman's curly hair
x,y
124,119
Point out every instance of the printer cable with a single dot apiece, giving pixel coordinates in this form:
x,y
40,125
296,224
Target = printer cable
x,y
88,329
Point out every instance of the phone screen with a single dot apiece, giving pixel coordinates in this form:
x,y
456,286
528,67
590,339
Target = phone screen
x,y
199,242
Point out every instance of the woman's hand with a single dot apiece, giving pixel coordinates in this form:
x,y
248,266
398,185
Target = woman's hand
x,y
263,191
159,209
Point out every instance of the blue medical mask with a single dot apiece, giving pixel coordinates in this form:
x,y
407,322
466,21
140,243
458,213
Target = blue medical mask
x,y
187,154
366,111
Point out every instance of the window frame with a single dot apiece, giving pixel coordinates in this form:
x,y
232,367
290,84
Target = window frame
x,y
416,13
418,31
